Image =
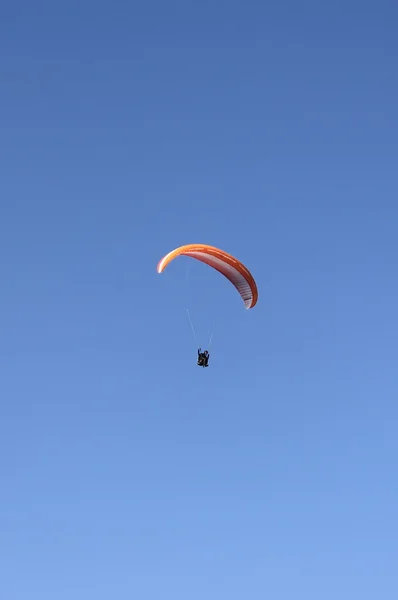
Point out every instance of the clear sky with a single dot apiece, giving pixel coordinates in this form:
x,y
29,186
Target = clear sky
x,y
271,131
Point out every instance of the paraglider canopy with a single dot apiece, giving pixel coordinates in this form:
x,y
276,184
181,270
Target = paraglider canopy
x,y
225,263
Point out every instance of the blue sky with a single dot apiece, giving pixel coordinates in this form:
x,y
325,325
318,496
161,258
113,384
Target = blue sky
x,y
128,129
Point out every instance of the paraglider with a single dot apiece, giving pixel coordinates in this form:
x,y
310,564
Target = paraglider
x,y
226,264
203,358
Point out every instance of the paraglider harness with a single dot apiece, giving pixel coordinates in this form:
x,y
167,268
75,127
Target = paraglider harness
x,y
203,358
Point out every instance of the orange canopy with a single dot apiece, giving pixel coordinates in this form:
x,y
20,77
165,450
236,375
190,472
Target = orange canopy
x,y
223,262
